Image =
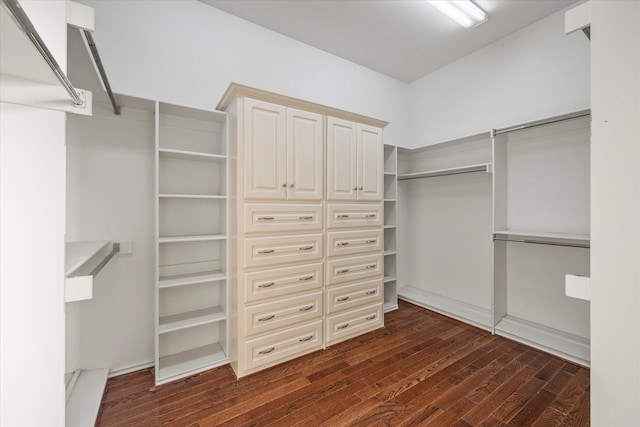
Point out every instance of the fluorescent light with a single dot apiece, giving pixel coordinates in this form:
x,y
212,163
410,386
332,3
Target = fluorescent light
x,y
464,12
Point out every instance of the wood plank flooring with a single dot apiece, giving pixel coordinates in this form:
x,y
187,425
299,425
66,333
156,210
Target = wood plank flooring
x,y
420,369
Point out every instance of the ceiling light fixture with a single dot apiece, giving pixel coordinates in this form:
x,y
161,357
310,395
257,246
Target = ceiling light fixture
x,y
464,12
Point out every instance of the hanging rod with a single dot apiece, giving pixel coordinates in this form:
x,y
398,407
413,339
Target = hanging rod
x,y
27,27
570,116
114,250
101,71
539,242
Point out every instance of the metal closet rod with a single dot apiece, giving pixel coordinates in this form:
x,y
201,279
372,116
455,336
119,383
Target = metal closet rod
x,y
539,242
114,250
570,116
101,71
27,27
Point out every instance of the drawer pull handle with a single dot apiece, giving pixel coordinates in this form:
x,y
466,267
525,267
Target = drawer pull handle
x,y
306,278
266,285
370,317
306,217
370,241
344,270
267,351
306,338
343,216
370,292
265,218
342,244
370,266
264,319
342,299
306,248
266,251
370,216
307,308
346,325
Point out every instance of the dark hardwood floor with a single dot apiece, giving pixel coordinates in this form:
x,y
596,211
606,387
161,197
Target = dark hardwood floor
x,y
421,369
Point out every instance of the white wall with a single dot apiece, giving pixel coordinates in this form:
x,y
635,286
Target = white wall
x,y
615,213
186,52
534,73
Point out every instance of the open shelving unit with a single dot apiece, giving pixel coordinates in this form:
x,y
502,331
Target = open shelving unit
x,y
390,226
445,191
541,232
191,206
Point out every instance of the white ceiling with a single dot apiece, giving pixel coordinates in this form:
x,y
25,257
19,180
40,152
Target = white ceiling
x,y
404,39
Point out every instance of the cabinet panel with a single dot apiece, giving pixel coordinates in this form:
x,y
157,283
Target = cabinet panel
x,y
354,215
352,323
265,154
341,159
266,284
265,351
263,251
342,298
341,270
269,217
269,316
353,242
305,153
371,163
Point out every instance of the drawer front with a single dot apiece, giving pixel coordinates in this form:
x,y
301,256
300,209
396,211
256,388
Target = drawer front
x,y
346,297
353,242
267,317
278,347
354,215
277,282
261,251
341,270
266,217
356,322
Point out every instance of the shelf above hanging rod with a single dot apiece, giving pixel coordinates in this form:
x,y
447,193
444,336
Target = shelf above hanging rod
x,y
542,242
482,167
547,121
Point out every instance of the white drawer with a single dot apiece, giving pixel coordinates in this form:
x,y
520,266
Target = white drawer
x,y
267,317
266,284
346,297
341,270
278,347
262,251
269,217
353,242
356,322
354,215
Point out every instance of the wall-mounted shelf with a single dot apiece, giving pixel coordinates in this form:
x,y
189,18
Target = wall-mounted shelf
x,y
198,238
390,221
176,322
542,237
166,153
482,167
190,279
83,261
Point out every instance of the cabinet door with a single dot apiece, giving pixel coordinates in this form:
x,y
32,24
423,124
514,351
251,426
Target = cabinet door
x,y
370,163
265,150
341,159
305,155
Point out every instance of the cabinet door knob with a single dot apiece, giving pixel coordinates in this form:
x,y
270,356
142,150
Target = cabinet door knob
x,y
355,188
290,185
284,185
360,189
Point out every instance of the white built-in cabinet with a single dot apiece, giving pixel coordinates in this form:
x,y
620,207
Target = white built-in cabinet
x,y
283,152
307,266
491,224
354,158
191,217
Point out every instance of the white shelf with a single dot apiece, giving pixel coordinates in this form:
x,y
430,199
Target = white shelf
x,y
196,238
388,279
387,253
191,196
189,362
390,200
79,253
84,396
167,153
190,279
389,173
190,319
482,167
544,235
565,345
389,226
468,313
389,306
